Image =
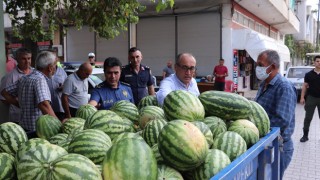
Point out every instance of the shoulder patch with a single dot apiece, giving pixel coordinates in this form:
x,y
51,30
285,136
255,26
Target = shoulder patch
x,y
124,83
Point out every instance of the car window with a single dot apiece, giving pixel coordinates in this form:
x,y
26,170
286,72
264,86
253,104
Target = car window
x,y
298,72
96,79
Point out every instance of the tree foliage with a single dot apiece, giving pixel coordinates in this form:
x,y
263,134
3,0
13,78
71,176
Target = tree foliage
x,y
37,19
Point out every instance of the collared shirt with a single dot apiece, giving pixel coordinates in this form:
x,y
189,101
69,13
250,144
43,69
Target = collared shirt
x,y
76,89
138,82
106,96
220,70
172,83
10,78
31,90
55,83
279,101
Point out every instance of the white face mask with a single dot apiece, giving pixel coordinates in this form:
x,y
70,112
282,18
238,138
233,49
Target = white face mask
x,y
261,72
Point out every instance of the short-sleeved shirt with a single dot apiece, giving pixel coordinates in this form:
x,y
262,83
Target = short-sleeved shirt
x,y
76,89
220,70
10,78
138,82
168,71
313,80
106,96
172,83
54,83
31,90
10,64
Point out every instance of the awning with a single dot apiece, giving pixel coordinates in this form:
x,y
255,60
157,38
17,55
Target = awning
x,y
254,43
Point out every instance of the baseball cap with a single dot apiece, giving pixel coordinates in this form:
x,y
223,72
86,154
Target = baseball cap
x,y
91,55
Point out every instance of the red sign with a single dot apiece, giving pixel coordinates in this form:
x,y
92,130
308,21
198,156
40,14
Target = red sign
x,y
17,45
43,43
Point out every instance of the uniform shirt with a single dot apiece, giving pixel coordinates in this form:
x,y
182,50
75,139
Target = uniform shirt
x,y
313,79
172,83
107,96
54,83
10,78
220,70
168,71
138,82
31,90
279,100
76,89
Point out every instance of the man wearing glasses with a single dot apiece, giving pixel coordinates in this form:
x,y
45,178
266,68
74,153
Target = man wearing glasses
x,y
185,67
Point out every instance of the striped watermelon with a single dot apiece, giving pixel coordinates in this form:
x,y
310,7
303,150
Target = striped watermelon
x,y
155,150
35,163
227,106
109,122
246,129
72,123
92,143
47,126
149,100
151,132
230,143
7,167
126,109
182,145
85,111
260,118
216,125
56,139
30,144
166,172
11,137
130,159
126,135
74,166
205,131
149,113
181,104
215,161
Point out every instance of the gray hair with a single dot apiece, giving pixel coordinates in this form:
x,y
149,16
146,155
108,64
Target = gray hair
x,y
44,59
272,57
179,57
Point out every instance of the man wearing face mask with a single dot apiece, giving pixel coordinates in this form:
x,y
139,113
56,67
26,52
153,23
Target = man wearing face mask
x,y
33,92
278,97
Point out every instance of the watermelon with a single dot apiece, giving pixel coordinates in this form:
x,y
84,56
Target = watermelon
x,y
126,109
155,150
182,104
166,172
11,137
246,129
47,126
73,166
126,135
216,125
149,100
72,123
36,163
30,144
182,145
260,118
92,143
85,111
149,113
225,105
56,139
205,131
130,159
151,131
7,167
230,143
215,161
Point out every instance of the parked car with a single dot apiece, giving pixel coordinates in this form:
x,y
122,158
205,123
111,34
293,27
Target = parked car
x,y
296,76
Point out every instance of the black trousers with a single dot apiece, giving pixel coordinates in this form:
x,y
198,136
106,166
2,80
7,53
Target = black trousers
x,y
219,86
73,111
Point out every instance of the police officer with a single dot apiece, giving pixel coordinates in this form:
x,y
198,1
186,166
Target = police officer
x,y
111,90
138,76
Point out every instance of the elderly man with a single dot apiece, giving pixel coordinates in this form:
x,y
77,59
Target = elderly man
x,y
75,90
111,90
33,92
185,67
278,97
168,70
23,56
138,76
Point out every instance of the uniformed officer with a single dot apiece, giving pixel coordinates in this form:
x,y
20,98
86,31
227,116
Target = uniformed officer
x,y
111,90
138,76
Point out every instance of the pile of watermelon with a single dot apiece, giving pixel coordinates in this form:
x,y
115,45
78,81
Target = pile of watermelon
x,y
188,137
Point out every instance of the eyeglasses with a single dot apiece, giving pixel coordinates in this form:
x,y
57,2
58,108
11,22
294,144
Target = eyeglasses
x,y
91,57
186,68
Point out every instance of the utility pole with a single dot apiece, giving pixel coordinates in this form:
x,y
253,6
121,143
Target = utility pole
x,y
317,40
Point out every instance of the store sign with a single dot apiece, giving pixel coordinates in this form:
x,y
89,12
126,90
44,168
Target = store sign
x,y
235,70
44,45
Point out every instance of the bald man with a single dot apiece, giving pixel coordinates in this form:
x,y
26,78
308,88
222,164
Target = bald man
x,y
75,90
